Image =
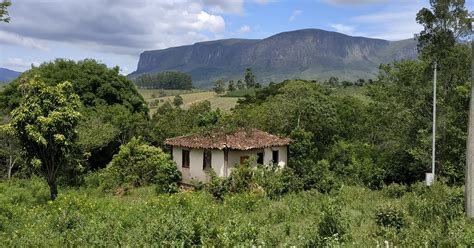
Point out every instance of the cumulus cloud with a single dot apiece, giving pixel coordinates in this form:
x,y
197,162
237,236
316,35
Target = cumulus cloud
x,y
244,29
394,22
118,26
18,63
346,29
14,39
354,2
295,14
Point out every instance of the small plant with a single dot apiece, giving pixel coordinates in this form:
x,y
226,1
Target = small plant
x,y
390,216
395,190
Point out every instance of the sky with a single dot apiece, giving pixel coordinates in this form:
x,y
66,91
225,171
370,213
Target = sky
x,y
115,32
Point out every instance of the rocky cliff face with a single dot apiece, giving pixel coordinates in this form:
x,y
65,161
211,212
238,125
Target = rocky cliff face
x,y
304,54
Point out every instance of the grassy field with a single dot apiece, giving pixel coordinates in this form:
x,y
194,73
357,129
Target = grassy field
x,y
190,97
349,217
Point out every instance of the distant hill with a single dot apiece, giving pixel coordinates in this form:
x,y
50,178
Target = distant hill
x,y
7,75
303,54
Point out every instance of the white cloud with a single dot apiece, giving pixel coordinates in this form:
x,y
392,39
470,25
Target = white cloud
x,y
394,21
224,6
295,14
263,2
391,25
244,29
119,26
18,64
346,29
15,39
354,2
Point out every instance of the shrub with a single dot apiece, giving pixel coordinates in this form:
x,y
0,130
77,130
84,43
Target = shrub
x,y
331,228
138,164
167,178
217,186
390,216
395,190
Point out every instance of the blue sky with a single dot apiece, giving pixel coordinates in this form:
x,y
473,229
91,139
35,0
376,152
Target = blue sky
x,y
115,32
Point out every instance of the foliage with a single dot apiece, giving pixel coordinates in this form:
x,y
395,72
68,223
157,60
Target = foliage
x,y
138,164
390,216
88,217
165,80
177,101
3,10
249,78
93,82
219,86
447,22
45,123
231,86
241,93
170,121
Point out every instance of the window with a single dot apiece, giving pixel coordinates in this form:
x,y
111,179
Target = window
x,y
260,158
243,158
207,158
185,159
275,157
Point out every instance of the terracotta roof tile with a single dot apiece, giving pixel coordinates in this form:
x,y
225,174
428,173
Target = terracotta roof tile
x,y
242,139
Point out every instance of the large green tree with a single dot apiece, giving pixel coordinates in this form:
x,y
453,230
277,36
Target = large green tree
x,y
113,111
445,23
45,123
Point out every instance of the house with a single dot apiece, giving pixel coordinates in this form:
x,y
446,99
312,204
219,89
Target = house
x,y
194,154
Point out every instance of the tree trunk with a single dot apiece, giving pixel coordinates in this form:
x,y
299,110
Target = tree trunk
x,y
10,167
53,188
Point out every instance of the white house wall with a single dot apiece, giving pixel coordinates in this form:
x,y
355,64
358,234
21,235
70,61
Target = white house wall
x,y
195,170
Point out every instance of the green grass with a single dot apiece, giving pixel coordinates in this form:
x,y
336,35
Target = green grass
x,y
150,94
190,98
241,93
354,91
86,217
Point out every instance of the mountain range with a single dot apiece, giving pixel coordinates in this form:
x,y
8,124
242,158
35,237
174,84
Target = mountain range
x,y
302,54
7,75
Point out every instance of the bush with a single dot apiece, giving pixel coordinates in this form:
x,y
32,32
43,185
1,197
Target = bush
x,y
395,190
138,164
390,216
167,178
331,228
217,186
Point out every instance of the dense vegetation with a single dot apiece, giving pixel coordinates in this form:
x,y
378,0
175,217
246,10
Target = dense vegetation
x,y
354,216
171,80
353,175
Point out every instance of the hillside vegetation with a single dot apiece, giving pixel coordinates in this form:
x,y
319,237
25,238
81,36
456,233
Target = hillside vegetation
x,y
354,216
301,54
83,163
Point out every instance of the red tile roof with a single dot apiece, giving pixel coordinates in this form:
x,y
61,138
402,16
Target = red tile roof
x,y
242,139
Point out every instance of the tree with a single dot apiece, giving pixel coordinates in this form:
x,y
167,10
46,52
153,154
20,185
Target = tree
x,y
219,86
165,80
231,86
111,105
249,78
178,101
4,12
9,150
240,85
139,164
45,124
444,24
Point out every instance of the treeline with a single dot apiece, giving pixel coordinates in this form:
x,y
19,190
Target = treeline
x,y
170,80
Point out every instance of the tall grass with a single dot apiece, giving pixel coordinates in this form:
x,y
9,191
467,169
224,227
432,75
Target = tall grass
x,y
349,217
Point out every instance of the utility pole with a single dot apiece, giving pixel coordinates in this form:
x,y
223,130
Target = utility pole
x,y
469,176
430,177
